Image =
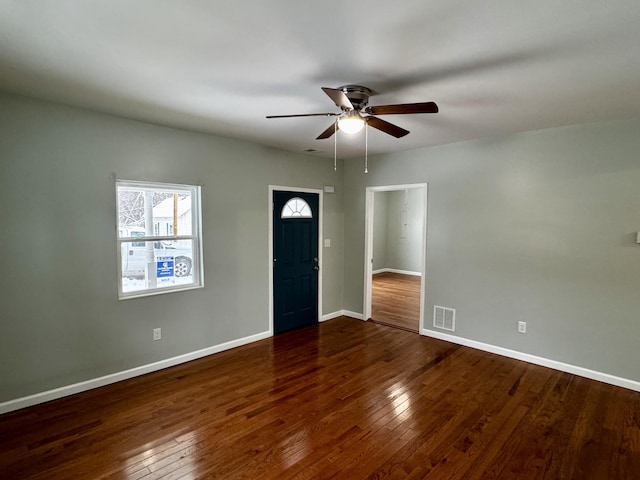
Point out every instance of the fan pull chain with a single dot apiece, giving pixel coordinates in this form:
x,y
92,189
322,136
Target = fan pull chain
x,y
366,147
335,146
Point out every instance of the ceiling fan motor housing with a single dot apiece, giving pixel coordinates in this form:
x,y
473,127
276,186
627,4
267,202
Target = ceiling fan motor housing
x,y
357,95
352,101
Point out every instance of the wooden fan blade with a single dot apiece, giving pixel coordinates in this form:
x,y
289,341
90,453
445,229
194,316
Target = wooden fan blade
x,y
304,115
329,131
386,127
402,108
339,98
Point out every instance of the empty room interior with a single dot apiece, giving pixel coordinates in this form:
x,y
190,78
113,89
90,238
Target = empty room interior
x,y
207,274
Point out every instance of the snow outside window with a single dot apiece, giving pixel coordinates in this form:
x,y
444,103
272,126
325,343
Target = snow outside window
x,y
159,238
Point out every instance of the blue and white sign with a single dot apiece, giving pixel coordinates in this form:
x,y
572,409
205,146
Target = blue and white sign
x,y
165,267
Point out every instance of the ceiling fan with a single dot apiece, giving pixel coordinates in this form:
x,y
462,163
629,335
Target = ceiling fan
x,y
352,101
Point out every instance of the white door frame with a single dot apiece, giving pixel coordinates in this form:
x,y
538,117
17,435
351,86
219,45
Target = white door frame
x,y
320,192
368,249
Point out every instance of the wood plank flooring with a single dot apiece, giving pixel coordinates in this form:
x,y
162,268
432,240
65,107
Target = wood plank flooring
x,y
344,399
395,300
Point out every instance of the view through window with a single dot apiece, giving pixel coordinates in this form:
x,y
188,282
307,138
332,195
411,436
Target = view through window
x,y
159,239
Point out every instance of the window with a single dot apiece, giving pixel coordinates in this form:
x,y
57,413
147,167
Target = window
x,y
159,238
296,207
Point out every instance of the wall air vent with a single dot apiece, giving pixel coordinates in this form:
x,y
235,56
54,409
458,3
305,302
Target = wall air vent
x,y
444,318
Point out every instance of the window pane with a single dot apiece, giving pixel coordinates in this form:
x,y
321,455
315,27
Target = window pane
x,y
172,214
150,265
154,211
296,207
168,212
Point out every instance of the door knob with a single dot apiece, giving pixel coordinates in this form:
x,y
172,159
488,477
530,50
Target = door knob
x,y
316,267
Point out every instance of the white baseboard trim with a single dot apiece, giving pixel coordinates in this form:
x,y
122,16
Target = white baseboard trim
x,y
340,313
56,393
356,315
332,315
395,270
544,362
60,392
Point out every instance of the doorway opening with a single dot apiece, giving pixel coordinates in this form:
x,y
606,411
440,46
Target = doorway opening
x,y
395,255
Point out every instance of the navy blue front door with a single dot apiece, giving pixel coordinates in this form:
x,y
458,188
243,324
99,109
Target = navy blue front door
x,y
295,259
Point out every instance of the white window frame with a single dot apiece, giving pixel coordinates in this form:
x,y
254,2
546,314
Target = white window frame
x,y
195,237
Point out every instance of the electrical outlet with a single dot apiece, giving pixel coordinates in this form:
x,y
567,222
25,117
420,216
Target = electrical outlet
x,y
157,333
522,327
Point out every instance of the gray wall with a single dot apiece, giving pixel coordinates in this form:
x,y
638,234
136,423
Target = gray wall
x,y
538,227
61,320
380,220
404,247
393,247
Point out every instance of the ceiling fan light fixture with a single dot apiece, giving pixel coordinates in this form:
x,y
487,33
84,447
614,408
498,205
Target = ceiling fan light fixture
x,y
351,122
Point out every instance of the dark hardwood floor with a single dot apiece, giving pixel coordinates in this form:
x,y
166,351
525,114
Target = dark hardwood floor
x,y
344,399
395,300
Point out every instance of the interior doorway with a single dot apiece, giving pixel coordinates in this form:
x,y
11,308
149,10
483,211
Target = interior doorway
x,y
395,253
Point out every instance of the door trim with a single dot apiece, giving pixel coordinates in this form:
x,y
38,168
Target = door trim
x,y
368,247
320,192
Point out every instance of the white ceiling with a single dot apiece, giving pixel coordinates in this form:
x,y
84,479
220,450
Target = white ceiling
x,y
492,66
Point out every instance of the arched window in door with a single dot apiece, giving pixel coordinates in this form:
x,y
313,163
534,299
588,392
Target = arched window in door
x,y
296,208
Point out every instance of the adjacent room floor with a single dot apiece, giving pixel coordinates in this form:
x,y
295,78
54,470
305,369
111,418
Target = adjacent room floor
x,y
395,300
343,399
